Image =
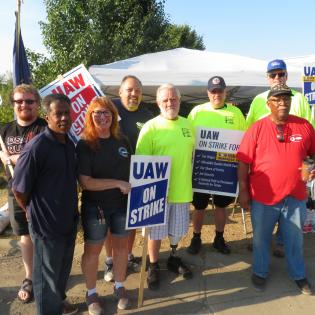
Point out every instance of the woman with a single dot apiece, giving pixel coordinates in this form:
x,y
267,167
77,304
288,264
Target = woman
x,y
104,160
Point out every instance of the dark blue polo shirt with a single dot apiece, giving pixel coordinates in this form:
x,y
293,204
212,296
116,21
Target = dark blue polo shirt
x,y
46,171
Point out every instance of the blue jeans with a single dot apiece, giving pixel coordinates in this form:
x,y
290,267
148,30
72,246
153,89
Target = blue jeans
x,y
291,214
52,263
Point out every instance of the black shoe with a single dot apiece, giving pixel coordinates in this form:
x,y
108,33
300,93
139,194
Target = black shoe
x,y
176,265
134,264
153,279
195,246
258,282
220,246
304,286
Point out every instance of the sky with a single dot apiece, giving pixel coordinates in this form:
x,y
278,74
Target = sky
x,y
266,29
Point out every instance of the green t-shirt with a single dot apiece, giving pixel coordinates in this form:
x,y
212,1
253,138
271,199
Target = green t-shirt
x,y
228,117
174,138
259,108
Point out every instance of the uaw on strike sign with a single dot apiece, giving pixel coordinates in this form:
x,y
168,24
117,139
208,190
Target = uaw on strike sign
x,y
215,164
80,87
149,177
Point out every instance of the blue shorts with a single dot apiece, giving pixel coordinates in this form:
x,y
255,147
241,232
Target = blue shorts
x,y
96,221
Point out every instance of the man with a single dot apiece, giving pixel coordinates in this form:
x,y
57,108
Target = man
x,y
45,186
26,101
171,135
277,74
271,155
214,114
132,118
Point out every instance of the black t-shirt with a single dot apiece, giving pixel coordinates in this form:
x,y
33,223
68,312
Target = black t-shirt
x,y
16,136
110,161
132,122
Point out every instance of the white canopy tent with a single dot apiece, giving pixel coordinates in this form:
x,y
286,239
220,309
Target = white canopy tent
x,y
190,71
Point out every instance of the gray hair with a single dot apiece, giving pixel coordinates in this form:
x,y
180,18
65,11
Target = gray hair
x,y
167,86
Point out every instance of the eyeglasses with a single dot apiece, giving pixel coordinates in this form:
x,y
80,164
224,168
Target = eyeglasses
x,y
279,74
99,113
280,133
27,102
280,100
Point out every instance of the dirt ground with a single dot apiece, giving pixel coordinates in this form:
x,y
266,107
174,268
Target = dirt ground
x,y
12,269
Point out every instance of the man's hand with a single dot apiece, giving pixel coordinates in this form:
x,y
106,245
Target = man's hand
x,y
244,199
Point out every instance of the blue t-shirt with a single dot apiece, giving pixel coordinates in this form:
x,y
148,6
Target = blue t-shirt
x,y
46,172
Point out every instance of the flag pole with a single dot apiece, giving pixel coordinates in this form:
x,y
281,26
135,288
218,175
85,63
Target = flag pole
x,y
18,26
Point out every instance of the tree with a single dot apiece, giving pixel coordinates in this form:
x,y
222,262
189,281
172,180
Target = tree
x,y
103,31
183,36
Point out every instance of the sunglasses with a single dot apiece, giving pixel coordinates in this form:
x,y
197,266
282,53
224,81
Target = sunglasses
x,y
280,133
279,74
27,102
99,113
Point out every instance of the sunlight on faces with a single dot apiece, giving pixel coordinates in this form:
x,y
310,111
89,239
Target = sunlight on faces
x,y
276,77
169,103
25,112
58,118
217,97
102,118
279,106
130,94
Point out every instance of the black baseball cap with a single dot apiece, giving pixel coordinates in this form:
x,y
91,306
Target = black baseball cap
x,y
216,82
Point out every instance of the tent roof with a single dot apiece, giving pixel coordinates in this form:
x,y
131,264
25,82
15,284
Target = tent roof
x,y
190,71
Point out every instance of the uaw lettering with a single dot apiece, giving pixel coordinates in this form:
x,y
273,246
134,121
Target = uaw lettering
x,y
309,84
80,87
215,164
149,177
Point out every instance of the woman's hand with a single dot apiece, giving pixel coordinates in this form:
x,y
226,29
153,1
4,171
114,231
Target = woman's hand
x,y
124,187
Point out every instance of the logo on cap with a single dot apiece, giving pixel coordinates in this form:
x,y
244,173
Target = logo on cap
x,y
215,80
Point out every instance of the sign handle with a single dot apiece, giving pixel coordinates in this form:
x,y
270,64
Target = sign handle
x,y
4,149
143,267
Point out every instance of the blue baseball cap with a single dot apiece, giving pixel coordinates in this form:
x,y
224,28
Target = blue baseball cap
x,y
276,64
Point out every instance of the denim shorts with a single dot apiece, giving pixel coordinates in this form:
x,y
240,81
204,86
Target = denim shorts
x,y
96,221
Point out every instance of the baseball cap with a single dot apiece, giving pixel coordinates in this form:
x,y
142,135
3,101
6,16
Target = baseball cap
x,y
216,83
279,89
276,64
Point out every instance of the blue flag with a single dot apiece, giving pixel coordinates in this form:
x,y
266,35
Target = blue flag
x,y
21,69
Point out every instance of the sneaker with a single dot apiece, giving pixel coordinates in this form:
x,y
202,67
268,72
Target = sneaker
x,y
108,273
121,295
279,251
176,265
69,309
220,246
259,283
195,246
93,304
153,278
304,286
134,263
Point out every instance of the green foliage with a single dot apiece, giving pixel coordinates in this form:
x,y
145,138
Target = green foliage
x,y
183,36
103,31
42,69
6,109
